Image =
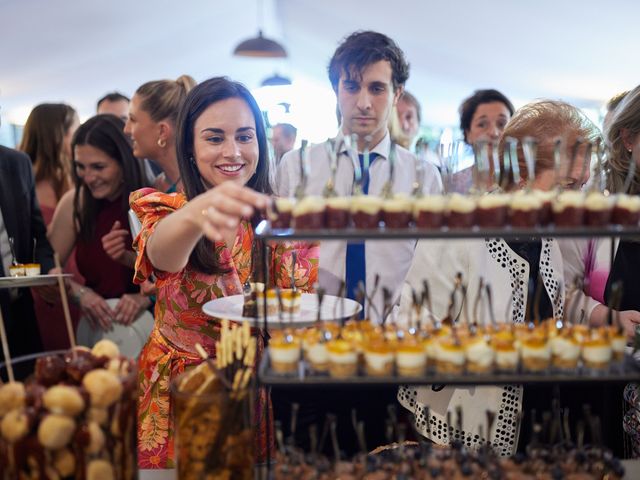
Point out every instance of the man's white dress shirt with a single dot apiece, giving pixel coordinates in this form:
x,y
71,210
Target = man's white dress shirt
x,y
389,259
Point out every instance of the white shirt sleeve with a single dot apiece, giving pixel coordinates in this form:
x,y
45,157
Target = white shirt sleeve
x,y
286,176
432,180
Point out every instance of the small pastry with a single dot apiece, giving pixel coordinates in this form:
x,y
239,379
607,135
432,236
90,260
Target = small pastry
x,y
314,350
598,208
281,217
535,352
17,270
379,358
253,300
524,210
32,269
626,210
450,356
565,351
343,358
397,211
337,212
597,352
284,353
461,211
428,211
479,354
492,210
291,301
273,302
546,198
411,358
568,209
618,341
507,356
365,211
308,213
318,356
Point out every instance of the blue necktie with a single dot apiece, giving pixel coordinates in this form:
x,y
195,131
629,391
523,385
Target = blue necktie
x,y
356,271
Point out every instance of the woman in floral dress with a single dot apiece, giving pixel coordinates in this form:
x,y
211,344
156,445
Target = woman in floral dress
x,y
198,246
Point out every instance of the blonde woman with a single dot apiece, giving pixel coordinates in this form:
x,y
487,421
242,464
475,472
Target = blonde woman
x,y
152,126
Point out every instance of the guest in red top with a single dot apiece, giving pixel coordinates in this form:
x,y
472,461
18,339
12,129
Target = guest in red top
x,y
198,244
105,172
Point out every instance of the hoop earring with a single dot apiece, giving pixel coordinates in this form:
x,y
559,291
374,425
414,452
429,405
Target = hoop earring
x,y
162,142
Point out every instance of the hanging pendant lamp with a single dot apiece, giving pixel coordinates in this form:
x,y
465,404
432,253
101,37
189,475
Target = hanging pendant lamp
x,y
260,46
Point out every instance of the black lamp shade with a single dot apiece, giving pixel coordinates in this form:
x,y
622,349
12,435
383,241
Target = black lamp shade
x,y
260,47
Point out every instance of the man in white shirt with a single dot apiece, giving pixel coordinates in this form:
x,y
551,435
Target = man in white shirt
x,y
368,72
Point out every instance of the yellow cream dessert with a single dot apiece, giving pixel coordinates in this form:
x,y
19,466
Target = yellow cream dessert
x,y
411,358
284,353
565,351
618,341
507,356
597,352
379,358
32,269
479,354
449,356
291,300
535,352
343,358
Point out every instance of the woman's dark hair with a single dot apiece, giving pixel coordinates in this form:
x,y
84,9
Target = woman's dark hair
x,y
106,133
361,49
43,139
471,104
204,258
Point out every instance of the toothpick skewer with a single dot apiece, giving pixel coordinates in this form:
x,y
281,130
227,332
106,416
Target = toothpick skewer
x,y
5,349
205,356
65,302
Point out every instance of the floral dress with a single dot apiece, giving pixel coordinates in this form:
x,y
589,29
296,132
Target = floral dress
x,y
180,322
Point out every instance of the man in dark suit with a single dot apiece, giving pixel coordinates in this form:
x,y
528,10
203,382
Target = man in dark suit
x,y
22,221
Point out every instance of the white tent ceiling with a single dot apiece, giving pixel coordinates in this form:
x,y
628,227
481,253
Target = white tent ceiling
x,y
75,51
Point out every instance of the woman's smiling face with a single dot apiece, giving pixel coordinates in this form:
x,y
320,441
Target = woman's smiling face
x,y
225,144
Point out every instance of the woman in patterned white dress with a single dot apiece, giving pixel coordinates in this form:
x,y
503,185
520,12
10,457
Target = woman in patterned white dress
x,y
510,268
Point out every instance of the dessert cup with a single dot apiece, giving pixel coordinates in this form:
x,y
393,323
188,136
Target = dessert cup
x,y
309,213
461,211
568,209
337,212
397,211
365,211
